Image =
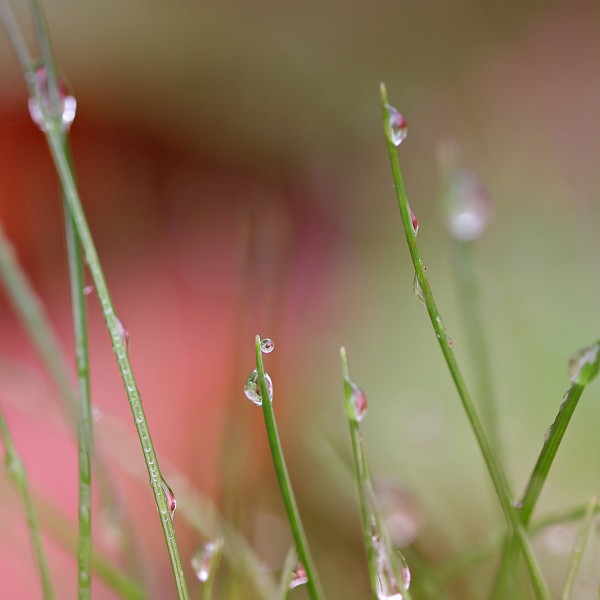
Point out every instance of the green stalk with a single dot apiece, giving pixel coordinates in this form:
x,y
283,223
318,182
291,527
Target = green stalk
x,y
537,479
18,475
289,564
580,543
371,519
54,137
496,473
285,484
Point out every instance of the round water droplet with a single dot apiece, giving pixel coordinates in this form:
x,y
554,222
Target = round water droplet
x,y
397,126
40,103
267,345
415,222
299,576
418,290
583,367
171,500
470,207
205,560
88,289
449,340
359,402
123,333
252,388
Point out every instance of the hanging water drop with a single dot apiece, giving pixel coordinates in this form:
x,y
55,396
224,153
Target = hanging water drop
x,y
88,289
124,334
415,222
397,126
171,500
449,340
470,207
299,576
418,290
205,560
40,103
252,388
388,585
359,402
267,345
583,366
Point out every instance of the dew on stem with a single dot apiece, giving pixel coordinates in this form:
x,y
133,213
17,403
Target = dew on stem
x,y
397,126
470,206
124,333
205,560
418,290
298,577
88,289
414,221
252,388
40,105
171,500
359,402
584,366
267,345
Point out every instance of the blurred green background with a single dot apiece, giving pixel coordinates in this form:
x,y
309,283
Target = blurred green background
x,y
232,161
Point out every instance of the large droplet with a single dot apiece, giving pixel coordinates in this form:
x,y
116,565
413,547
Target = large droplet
x,y
40,103
267,345
252,388
389,585
584,366
171,500
470,207
415,222
205,560
418,290
359,402
397,126
299,576
124,334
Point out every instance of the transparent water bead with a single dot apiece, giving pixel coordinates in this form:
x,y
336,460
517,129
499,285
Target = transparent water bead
x,y
267,345
387,584
583,366
252,388
205,560
359,402
124,333
171,500
40,107
415,222
299,576
470,207
88,289
397,125
418,290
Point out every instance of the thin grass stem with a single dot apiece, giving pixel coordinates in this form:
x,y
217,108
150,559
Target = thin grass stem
x,y
18,475
494,468
285,485
291,558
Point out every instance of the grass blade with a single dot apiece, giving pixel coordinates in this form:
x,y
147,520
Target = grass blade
x,y
18,475
494,468
384,571
285,484
580,543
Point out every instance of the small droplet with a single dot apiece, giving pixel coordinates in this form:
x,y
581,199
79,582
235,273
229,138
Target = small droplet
x,y
267,345
583,366
252,388
397,126
418,290
470,207
449,340
40,106
205,560
96,412
124,333
359,402
415,222
171,500
88,289
299,576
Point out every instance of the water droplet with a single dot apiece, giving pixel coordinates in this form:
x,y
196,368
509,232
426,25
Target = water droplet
x,y
252,388
388,585
397,126
418,290
415,222
470,207
267,345
171,500
299,576
96,412
449,340
124,334
359,402
205,560
583,367
88,289
40,104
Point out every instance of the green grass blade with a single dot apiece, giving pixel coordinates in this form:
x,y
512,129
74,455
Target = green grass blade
x,y
285,485
577,555
494,468
18,475
381,557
